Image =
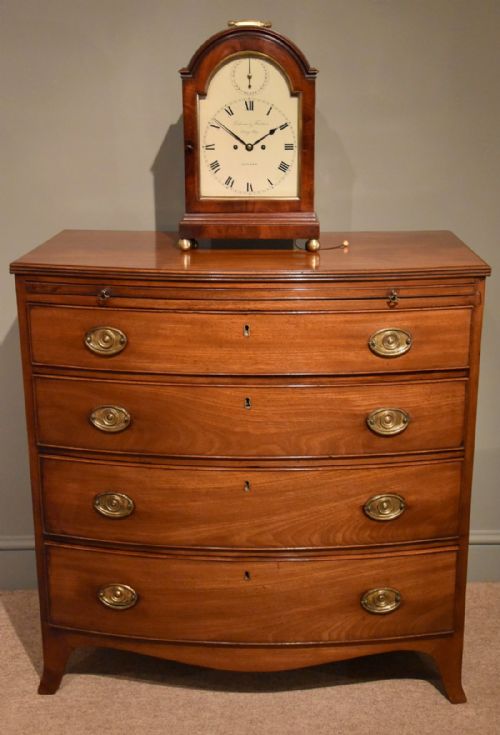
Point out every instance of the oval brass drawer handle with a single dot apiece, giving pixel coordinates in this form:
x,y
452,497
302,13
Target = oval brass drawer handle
x,y
117,596
388,421
381,600
385,507
110,418
390,342
105,341
114,505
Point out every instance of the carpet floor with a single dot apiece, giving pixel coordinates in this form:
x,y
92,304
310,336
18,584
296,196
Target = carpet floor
x,y
127,694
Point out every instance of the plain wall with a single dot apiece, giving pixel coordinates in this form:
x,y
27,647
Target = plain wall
x,y
407,138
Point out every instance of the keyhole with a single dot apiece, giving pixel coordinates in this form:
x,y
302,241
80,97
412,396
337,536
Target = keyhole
x,y
247,486
246,330
104,295
393,298
248,403
247,576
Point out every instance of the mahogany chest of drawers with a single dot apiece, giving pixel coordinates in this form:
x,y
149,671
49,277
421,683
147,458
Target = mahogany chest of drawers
x,y
251,460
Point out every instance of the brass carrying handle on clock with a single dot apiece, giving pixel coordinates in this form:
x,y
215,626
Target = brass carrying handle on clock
x,y
249,23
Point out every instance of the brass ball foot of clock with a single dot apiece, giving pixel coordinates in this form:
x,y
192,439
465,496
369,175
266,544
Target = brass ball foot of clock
x,y
312,245
184,243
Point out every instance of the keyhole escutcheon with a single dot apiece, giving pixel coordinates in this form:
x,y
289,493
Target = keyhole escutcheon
x,y
247,576
248,403
246,330
393,298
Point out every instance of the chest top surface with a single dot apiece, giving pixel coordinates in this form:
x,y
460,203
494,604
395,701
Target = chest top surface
x,y
151,255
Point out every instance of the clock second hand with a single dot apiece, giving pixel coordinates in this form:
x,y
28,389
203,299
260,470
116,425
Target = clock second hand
x,y
248,146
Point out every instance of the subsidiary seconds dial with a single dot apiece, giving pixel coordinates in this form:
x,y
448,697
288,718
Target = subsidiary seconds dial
x,y
249,148
249,75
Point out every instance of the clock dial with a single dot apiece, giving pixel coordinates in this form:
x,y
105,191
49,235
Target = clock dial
x,y
249,75
249,140
249,149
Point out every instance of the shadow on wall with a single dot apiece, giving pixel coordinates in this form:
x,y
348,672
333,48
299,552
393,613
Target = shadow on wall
x,y
168,178
334,178
14,482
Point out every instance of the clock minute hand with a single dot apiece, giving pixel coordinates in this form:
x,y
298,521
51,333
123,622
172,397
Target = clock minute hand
x,y
271,132
247,145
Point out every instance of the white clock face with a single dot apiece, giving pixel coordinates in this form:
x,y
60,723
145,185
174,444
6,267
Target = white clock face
x,y
248,132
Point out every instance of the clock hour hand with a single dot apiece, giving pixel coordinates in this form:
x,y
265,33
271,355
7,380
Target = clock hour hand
x,y
248,146
271,132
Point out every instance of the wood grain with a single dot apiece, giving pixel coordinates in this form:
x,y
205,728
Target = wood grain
x,y
287,344
250,509
287,421
274,602
108,254
237,657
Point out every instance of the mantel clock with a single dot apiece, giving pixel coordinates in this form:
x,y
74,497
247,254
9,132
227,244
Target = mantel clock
x,y
249,117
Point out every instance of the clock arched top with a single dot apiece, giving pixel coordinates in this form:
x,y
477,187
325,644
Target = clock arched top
x,y
233,41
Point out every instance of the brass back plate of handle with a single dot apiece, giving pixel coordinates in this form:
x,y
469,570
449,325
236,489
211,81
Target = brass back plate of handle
x,y
385,507
388,421
381,600
114,505
117,596
110,419
105,341
391,342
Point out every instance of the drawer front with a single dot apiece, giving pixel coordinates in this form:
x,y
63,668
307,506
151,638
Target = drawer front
x,y
280,421
249,344
252,508
244,601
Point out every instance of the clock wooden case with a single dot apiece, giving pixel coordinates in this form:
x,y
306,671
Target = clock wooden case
x,y
249,119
